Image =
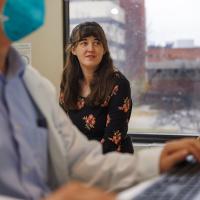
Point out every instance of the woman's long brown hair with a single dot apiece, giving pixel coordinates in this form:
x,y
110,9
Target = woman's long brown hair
x,y
102,83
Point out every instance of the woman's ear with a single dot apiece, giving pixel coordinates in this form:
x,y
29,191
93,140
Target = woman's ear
x,y
73,50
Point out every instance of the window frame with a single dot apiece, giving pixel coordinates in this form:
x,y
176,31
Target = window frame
x,y
137,137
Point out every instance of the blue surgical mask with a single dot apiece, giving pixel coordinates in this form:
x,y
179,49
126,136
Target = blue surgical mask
x,y
19,18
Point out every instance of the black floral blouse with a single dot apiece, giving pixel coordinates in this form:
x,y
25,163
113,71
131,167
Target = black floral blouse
x,y
107,123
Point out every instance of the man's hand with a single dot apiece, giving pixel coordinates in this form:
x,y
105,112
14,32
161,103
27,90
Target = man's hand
x,y
78,191
176,151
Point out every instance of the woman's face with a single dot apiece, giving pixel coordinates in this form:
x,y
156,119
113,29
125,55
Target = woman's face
x,y
89,52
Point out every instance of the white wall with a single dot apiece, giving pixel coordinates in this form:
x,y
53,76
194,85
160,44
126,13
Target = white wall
x,y
47,43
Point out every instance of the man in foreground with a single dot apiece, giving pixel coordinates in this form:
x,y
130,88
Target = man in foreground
x,y
40,149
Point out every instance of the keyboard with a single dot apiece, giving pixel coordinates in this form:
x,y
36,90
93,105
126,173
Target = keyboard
x,y
182,183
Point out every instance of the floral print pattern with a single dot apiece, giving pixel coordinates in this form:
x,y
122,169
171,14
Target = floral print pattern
x,y
102,140
108,122
105,103
80,103
115,90
108,119
126,105
116,138
90,121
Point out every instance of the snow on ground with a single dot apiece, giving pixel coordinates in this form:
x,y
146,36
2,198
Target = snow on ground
x,y
145,119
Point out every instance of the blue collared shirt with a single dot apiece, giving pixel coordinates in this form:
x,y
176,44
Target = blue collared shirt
x,y
23,143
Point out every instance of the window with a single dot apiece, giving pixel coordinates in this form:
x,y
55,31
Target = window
x,y
156,45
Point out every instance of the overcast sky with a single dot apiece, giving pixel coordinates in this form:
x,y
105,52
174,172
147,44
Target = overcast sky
x,y
171,20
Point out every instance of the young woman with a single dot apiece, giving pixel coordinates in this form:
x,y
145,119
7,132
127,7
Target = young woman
x,y
93,93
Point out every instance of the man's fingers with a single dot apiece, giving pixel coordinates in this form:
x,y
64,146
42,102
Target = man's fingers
x,y
177,150
171,160
177,157
191,145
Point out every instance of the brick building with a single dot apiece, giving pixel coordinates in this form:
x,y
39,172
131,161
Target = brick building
x,y
173,73
160,54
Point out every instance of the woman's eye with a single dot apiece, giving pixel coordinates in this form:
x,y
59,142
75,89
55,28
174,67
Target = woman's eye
x,y
97,42
84,43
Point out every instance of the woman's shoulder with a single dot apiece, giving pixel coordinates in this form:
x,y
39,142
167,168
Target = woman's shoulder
x,y
120,78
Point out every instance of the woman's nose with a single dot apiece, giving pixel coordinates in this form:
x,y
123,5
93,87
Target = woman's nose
x,y
90,47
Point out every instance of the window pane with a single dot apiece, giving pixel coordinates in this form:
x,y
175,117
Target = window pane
x,y
156,45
